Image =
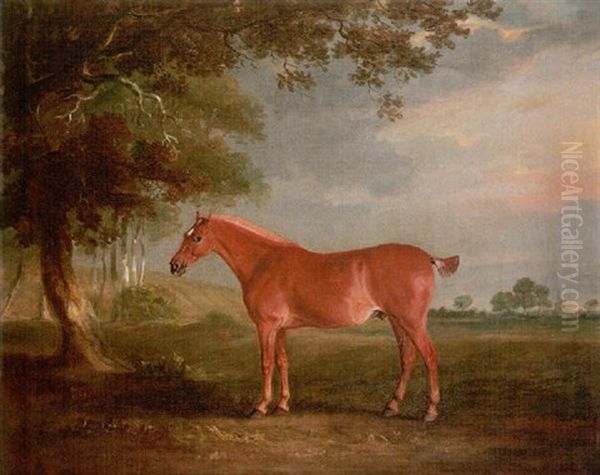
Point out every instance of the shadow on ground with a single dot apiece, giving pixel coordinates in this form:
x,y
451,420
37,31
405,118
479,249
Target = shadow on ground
x,y
27,378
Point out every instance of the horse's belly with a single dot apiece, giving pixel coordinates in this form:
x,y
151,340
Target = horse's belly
x,y
335,316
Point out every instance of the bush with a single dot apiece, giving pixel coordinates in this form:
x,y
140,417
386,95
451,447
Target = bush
x,y
220,320
140,304
172,367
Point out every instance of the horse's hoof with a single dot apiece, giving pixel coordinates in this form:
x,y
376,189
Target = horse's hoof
x,y
280,411
430,417
387,412
256,414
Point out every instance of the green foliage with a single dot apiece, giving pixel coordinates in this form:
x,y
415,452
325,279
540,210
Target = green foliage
x,y
217,319
524,293
164,221
591,304
542,296
112,107
160,74
463,302
138,304
503,302
171,367
444,313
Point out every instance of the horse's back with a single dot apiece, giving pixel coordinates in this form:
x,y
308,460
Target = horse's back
x,y
344,288
400,273
386,262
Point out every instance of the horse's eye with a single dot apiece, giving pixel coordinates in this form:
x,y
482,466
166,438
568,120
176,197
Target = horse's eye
x,y
196,238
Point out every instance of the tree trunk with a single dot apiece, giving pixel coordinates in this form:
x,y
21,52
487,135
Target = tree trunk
x,y
114,272
103,282
95,279
83,343
43,312
13,288
99,282
142,254
134,242
125,259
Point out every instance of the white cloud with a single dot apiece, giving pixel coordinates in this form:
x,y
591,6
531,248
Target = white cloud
x,y
508,35
463,139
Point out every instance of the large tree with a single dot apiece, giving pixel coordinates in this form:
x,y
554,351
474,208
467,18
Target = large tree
x,y
528,294
503,302
112,106
463,302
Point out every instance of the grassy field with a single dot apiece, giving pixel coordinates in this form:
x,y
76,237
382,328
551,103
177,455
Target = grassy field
x,y
514,400
516,397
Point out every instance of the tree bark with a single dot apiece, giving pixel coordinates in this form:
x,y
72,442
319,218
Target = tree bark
x,y
95,279
83,342
13,288
114,272
142,254
103,283
124,257
43,312
133,260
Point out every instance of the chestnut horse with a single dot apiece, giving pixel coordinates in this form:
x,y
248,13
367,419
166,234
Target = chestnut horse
x,y
286,286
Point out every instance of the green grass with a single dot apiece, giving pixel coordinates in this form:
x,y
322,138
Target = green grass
x,y
515,398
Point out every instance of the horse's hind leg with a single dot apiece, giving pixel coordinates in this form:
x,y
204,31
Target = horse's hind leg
x,y
430,357
414,323
408,354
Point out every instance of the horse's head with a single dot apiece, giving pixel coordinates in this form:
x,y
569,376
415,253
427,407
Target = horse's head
x,y
198,241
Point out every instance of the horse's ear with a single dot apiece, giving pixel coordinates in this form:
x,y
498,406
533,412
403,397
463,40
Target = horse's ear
x,y
202,218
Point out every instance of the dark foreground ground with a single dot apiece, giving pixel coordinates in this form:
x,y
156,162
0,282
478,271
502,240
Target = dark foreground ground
x,y
516,398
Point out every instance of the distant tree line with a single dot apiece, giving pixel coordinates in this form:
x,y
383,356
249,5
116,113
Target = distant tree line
x,y
525,298
525,295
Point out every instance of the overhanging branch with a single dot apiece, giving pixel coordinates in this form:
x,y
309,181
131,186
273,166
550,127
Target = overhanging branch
x,y
79,99
141,97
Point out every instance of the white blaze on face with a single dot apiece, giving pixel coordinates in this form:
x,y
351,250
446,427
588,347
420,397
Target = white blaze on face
x,y
190,231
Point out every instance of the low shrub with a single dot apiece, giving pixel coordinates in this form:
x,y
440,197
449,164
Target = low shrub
x,y
139,304
173,366
217,319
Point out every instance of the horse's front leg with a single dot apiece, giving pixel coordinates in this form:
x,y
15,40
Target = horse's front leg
x,y
282,365
267,334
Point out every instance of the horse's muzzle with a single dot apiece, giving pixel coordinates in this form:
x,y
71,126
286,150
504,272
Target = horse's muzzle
x,y
177,268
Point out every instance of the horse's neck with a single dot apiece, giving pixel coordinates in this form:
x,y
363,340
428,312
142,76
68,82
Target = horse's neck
x,y
240,249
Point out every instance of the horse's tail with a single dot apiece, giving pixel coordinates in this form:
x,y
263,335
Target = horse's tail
x,y
446,266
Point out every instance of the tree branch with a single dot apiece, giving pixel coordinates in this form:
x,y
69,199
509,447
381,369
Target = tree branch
x,y
111,34
79,99
141,97
235,51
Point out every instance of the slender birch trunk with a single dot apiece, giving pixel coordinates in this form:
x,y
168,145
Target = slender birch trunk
x,y
125,280
103,281
43,312
142,252
134,245
95,279
13,288
114,271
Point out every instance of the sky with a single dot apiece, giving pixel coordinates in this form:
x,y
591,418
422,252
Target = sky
x,y
473,168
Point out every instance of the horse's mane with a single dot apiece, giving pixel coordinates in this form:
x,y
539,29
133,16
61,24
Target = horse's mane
x,y
253,228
